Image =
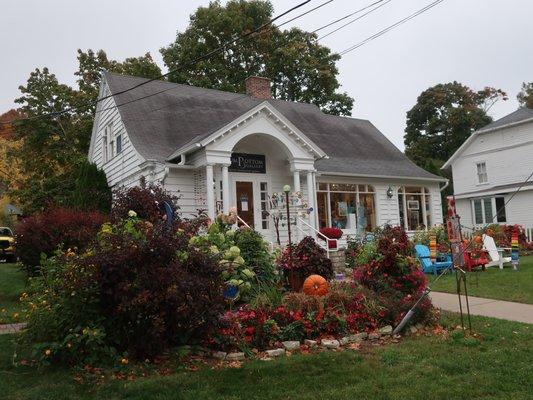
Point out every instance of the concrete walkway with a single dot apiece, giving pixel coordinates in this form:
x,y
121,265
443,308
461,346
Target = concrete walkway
x,y
485,307
12,328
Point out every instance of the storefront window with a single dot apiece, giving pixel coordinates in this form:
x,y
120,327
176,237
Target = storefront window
x,y
415,207
346,206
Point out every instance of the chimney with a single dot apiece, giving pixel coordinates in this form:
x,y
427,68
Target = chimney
x,y
258,87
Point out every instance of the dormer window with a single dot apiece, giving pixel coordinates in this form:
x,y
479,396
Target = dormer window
x,y
482,176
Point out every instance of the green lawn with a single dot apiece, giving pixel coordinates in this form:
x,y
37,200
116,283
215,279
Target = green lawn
x,y
12,283
494,283
496,367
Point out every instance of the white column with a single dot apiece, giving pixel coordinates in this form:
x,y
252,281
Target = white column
x,y
311,197
225,189
315,201
297,188
210,191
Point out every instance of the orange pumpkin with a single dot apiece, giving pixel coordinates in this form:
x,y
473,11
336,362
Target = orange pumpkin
x,y
478,239
315,285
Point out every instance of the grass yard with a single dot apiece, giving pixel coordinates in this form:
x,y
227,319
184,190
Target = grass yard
x,y
12,283
496,367
494,283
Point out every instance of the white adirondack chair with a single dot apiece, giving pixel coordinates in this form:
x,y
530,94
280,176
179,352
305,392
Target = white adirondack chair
x,y
495,253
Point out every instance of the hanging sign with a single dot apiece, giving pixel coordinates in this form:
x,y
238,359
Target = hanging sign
x,y
252,163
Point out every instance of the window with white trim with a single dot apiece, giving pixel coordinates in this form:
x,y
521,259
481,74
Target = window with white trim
x,y
119,143
482,176
110,141
414,204
104,147
488,210
346,206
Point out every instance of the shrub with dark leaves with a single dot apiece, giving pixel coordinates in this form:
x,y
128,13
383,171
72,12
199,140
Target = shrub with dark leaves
x,y
146,200
44,232
155,290
306,258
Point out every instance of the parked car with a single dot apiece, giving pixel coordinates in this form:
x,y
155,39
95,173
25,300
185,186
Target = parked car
x,y
7,252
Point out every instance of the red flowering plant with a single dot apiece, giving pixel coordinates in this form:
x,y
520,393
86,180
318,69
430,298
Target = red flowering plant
x,y
331,233
395,276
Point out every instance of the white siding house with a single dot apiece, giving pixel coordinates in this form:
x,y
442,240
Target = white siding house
x,y
193,141
490,167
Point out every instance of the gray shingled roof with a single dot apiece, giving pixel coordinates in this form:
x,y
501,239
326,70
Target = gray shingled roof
x,y
173,115
519,115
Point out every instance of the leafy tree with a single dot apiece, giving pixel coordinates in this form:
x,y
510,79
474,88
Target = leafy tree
x,y
300,69
443,117
525,97
54,148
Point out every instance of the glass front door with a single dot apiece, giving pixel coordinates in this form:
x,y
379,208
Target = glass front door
x,y
245,201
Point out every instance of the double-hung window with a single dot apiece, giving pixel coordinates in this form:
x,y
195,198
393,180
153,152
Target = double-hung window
x,y
488,210
119,143
482,176
110,141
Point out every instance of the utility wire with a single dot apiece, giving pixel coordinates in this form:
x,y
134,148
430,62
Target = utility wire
x,y
217,50
390,27
355,19
348,16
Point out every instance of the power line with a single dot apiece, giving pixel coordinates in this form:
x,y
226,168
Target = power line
x,y
191,62
305,13
355,19
347,16
390,27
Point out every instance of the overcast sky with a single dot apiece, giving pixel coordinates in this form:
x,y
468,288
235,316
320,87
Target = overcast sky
x,y
476,42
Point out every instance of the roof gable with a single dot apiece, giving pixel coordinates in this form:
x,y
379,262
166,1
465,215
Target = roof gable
x,y
520,116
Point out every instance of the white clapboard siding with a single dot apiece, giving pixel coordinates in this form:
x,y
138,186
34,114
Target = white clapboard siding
x,y
123,168
506,152
181,183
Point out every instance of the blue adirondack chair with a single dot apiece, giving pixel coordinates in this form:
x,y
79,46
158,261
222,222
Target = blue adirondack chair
x,y
423,255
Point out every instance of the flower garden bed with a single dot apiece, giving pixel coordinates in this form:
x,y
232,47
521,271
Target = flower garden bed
x,y
145,285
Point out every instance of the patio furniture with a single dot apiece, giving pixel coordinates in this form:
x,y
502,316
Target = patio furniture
x,y
423,255
495,253
475,259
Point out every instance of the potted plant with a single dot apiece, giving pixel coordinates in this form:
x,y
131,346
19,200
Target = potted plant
x,y
331,233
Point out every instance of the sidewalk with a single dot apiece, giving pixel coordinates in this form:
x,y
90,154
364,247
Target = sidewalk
x,y
12,328
485,307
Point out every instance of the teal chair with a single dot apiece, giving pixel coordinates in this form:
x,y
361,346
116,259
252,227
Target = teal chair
x,y
423,255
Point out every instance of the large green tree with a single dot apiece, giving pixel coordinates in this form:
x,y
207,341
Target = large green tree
x,y
525,97
55,143
300,69
443,117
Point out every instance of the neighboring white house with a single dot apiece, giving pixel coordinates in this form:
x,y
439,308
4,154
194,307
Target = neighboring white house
x,y
218,149
490,166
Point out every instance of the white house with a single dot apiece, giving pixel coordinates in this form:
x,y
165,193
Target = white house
x,y
218,149
490,166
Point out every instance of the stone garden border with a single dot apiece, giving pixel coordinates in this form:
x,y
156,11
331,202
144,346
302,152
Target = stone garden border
x,y
291,346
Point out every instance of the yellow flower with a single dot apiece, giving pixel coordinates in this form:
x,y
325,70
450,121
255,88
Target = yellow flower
x,y
124,361
16,315
47,352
